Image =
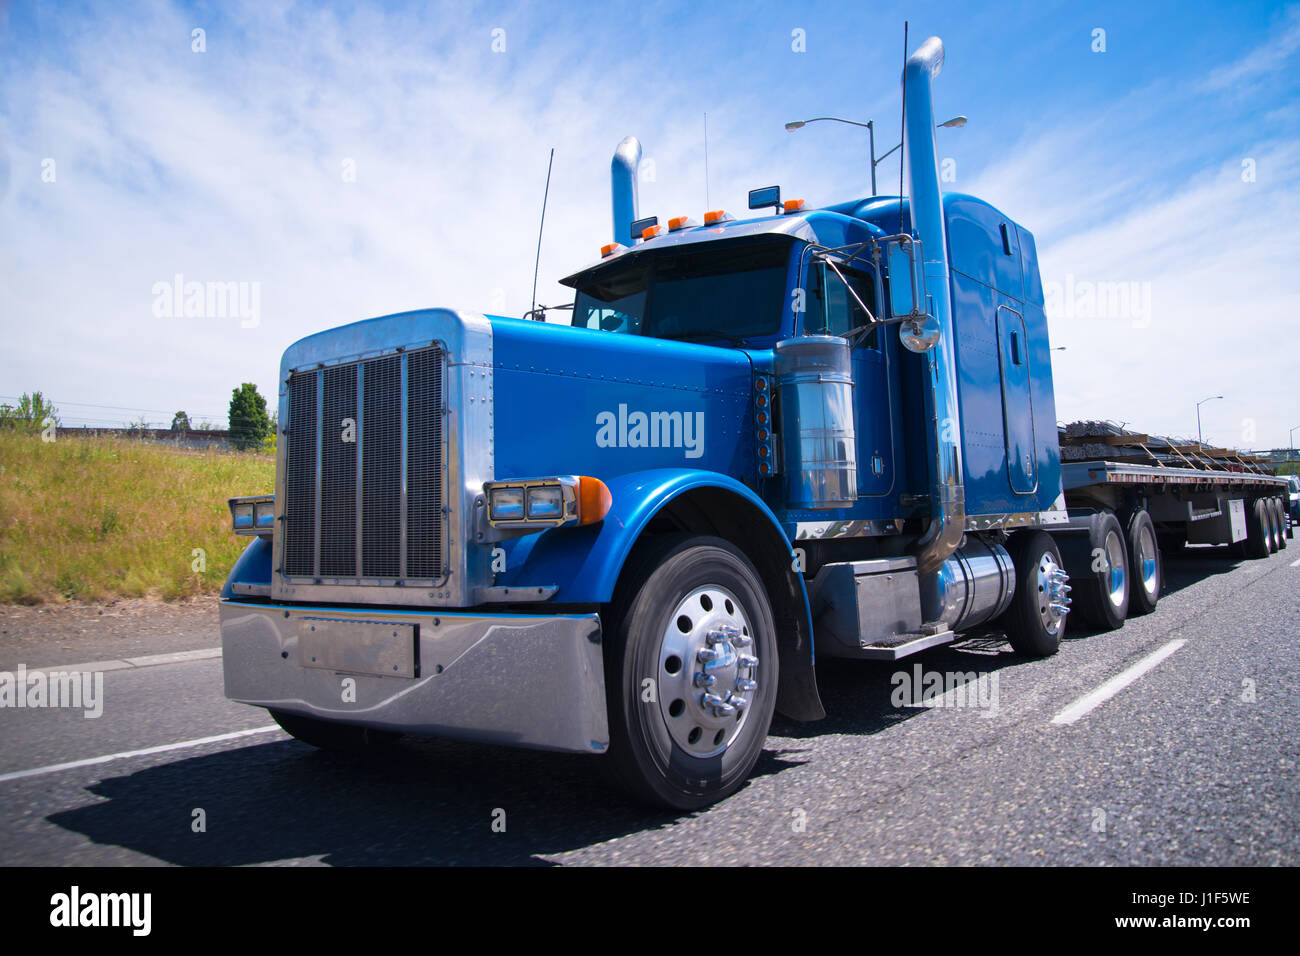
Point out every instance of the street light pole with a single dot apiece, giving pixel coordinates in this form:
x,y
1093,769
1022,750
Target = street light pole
x,y
871,132
1198,415
1290,440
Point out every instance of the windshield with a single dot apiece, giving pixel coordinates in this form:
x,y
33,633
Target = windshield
x,y
697,293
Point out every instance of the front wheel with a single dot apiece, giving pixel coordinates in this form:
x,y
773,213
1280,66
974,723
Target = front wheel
x,y
691,672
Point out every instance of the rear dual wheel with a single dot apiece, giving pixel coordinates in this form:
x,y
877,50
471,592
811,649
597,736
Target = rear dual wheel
x,y
1279,524
1146,574
1099,565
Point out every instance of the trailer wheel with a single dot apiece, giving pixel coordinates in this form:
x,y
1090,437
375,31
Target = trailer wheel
x,y
1256,544
1147,576
1099,570
1035,621
1271,520
691,672
1279,523
328,735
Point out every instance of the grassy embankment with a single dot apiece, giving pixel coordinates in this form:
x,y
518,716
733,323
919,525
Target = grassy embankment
x,y
88,519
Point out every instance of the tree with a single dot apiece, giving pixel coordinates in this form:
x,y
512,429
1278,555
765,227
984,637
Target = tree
x,y
249,423
181,422
32,413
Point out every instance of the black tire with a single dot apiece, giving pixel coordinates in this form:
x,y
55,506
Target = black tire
x,y
674,750
1026,622
1270,525
1256,544
1280,522
1099,569
329,735
1146,571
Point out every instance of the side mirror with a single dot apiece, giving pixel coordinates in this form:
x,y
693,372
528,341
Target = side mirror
x,y
919,331
906,279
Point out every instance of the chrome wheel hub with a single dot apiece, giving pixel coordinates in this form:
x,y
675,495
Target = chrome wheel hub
x,y
708,671
1147,567
1053,593
1114,555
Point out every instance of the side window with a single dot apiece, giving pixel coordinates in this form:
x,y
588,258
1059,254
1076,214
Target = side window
x,y
834,311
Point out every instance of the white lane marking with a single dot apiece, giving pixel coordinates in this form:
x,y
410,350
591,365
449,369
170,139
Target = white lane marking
x,y
127,754
124,663
1295,564
1113,686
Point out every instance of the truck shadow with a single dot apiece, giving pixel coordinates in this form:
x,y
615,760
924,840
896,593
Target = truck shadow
x,y
865,697
424,802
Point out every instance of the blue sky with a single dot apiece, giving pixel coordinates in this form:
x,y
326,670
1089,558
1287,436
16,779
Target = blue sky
x,y
1168,163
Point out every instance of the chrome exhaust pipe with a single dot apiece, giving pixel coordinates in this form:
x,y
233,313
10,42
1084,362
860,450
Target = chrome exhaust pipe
x,y
947,493
623,178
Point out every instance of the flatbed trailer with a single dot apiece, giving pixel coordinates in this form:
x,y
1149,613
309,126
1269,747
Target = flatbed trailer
x,y
1145,513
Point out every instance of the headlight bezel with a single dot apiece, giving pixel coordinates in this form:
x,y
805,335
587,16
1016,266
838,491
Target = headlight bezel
x,y
253,515
539,504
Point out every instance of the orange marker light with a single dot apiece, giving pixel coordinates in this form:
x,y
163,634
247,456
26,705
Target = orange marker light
x,y
594,500
677,222
717,215
649,232
610,248
792,205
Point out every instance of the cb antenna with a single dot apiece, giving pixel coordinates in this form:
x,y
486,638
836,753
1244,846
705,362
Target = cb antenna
x,y
707,205
532,312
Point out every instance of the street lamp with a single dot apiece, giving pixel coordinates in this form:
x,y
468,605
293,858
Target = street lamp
x,y
1290,440
1198,415
870,126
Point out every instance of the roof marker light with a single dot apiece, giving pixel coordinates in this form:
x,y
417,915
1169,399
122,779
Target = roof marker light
x,y
649,232
680,222
716,216
793,205
610,248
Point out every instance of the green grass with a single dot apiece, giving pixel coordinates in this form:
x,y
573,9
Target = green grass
x,y
87,518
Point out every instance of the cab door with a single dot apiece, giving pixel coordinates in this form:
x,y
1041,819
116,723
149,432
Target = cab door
x,y
1017,402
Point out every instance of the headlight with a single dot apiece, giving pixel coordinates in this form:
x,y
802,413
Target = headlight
x,y
506,504
546,502
535,504
254,514
242,515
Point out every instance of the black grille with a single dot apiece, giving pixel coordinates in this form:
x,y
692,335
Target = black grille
x,y
344,459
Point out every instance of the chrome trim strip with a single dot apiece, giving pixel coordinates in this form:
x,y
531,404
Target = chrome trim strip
x,y
867,528
360,439
405,442
320,441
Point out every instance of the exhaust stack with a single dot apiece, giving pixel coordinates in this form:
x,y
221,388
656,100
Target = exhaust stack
x,y
947,494
623,181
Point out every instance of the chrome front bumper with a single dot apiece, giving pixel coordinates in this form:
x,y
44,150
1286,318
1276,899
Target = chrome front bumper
x,y
517,679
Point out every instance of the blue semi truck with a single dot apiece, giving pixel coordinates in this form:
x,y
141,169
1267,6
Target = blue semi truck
x,y
810,433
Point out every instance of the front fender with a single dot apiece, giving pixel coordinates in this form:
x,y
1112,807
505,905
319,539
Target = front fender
x,y
251,567
585,563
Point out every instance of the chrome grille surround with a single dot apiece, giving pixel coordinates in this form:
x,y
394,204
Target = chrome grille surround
x,y
395,504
